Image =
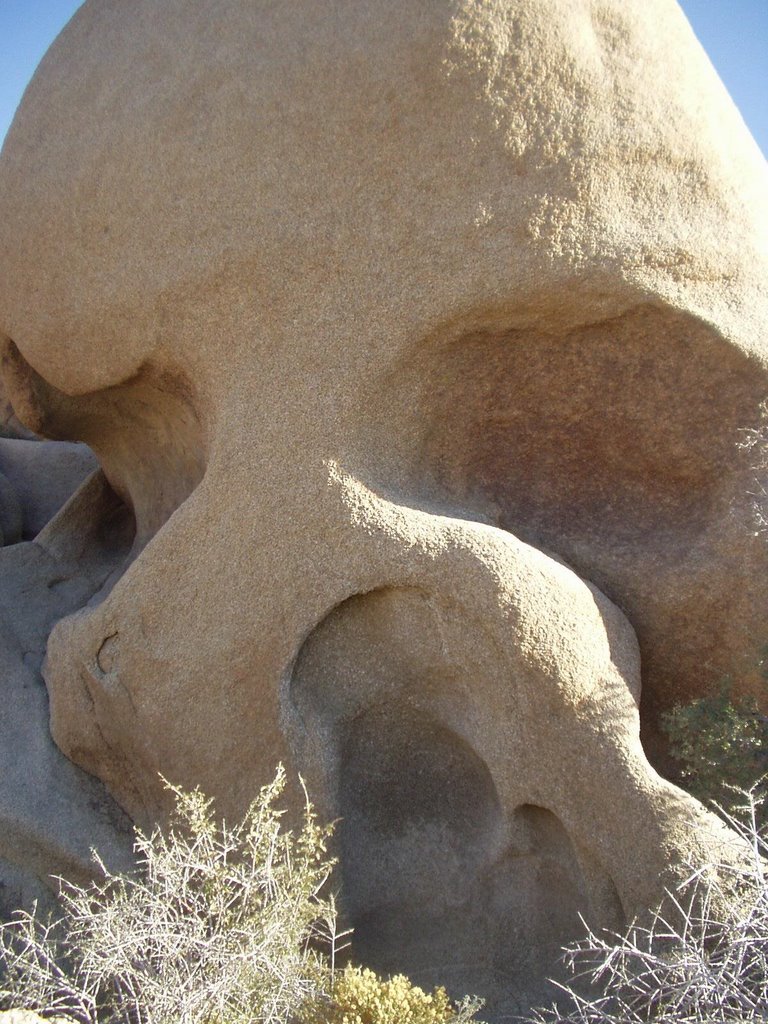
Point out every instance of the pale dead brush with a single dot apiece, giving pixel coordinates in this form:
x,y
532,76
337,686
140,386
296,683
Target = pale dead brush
x,y
755,441
219,926
693,964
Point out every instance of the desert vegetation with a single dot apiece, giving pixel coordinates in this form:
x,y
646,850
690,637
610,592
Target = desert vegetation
x,y
721,745
220,925
691,964
235,924
703,957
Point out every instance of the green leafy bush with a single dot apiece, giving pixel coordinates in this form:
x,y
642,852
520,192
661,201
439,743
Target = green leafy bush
x,y
722,747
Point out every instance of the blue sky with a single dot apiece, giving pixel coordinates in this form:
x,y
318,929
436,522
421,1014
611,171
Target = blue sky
x,y
734,34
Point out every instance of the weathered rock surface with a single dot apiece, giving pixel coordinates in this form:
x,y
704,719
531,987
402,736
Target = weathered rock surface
x,y
9,422
417,338
42,476
51,813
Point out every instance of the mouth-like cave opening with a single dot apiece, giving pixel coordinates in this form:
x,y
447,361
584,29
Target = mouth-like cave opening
x,y
439,879
419,819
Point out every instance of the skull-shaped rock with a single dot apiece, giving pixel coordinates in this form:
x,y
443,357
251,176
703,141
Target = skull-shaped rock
x,y
417,338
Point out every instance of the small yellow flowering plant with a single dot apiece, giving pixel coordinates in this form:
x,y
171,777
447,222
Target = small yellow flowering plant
x,y
361,997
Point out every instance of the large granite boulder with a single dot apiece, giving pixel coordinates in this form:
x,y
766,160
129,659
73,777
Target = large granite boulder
x,y
416,338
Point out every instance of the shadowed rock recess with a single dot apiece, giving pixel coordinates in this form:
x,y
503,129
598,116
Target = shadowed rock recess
x,y
414,342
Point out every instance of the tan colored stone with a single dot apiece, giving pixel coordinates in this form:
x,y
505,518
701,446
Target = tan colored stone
x,y
418,339
9,422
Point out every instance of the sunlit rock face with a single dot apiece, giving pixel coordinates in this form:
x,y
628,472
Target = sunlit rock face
x,y
415,342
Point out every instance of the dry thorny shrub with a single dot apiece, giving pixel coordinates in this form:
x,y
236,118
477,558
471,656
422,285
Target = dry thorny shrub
x,y
690,965
755,441
221,925
229,925
217,927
